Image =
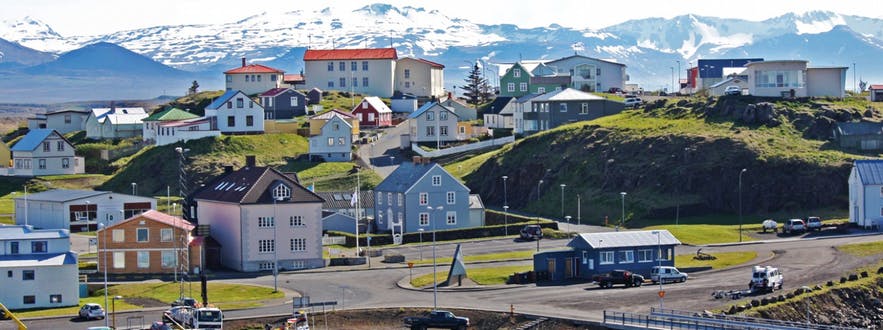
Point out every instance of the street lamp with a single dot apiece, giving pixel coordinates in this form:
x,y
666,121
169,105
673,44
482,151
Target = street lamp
x,y
567,218
622,220
539,183
114,310
102,228
740,202
134,188
679,76
659,264
672,79
275,248
562,199
505,220
421,243
434,272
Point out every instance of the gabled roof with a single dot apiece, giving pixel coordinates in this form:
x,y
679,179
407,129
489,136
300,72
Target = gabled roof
x,y
218,102
63,195
330,114
527,97
580,56
341,199
567,94
430,63
376,103
617,239
251,185
119,116
405,176
475,202
427,106
336,116
79,111
278,91
350,54
158,216
253,68
497,105
170,114
859,128
186,122
875,87
33,139
293,78
870,171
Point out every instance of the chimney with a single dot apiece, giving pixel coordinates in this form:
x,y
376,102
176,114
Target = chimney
x,y
228,169
450,95
416,160
243,61
427,160
249,161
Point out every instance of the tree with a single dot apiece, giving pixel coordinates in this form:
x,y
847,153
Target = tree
x,y
193,88
476,87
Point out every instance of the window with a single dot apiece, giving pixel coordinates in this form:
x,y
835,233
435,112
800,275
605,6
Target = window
x,y
389,198
443,130
355,82
168,259
522,87
430,130
118,235
598,71
231,121
781,79
294,101
165,234
365,82
296,221
379,198
342,82
401,199
407,84
451,218
626,256
54,298
41,163
401,217
354,66
39,246
259,78
240,103
331,84
510,87
46,146
142,235
424,219
516,73
330,66
65,163
645,255
229,78
299,244
430,116
266,222
265,266
13,247
584,108
143,259
59,145
29,300
8,273
266,246
541,90
605,257
407,73
562,107
364,65
341,66
249,121
424,198
443,115
451,197
436,180
663,254
27,275
331,141
462,129
119,260
273,77
340,141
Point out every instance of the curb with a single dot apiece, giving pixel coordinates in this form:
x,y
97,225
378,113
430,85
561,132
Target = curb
x,y
794,239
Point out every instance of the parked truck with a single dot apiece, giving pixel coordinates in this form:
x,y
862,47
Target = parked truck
x,y
624,277
437,319
195,318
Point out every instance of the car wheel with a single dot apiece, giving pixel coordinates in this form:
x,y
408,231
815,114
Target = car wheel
x,y
638,284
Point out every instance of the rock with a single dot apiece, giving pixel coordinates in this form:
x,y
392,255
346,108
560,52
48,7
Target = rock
x,y
765,113
864,274
781,297
732,310
880,270
830,283
755,302
853,277
842,280
869,113
764,301
683,103
818,287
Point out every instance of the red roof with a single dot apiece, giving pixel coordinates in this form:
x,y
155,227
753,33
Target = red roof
x,y
254,68
430,63
876,87
160,217
351,54
293,78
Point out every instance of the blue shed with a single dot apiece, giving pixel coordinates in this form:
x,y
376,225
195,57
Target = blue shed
x,y
595,253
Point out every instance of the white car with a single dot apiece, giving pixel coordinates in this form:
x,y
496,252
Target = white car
x,y
632,102
91,311
771,225
733,90
666,274
766,279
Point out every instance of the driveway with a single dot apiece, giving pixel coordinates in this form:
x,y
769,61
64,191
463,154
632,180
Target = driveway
x,y
384,155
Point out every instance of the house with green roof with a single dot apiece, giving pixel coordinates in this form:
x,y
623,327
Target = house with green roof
x,y
175,125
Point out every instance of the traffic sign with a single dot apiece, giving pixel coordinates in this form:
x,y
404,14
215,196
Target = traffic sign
x,y
661,293
410,265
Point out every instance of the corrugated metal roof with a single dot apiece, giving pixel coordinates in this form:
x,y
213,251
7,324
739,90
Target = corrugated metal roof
x,y
62,195
627,239
38,260
499,103
567,94
350,54
427,106
33,139
870,171
859,128
251,185
335,200
170,114
253,68
430,63
405,176
158,216
376,103
119,116
561,80
218,102
331,113
28,232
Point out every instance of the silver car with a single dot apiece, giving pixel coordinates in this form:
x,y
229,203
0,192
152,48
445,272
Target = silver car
x,y
91,311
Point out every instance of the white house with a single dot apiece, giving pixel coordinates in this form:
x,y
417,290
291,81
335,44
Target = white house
x,y
236,113
39,270
66,121
866,193
334,143
114,123
174,125
500,113
433,122
77,210
253,78
44,152
787,77
365,71
241,209
420,77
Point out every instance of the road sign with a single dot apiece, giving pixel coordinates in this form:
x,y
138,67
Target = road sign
x,y
322,303
300,302
93,241
661,293
410,265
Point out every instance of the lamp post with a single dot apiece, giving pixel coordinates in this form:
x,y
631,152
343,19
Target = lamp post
x,y
567,219
659,264
622,220
421,243
854,89
740,202
562,200
114,310
174,206
102,228
134,188
434,272
539,183
275,249
505,207
679,76
672,79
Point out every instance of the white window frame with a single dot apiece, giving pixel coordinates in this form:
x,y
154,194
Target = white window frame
x,y
436,180
423,198
143,259
423,219
645,255
626,256
119,260
510,87
605,257
266,246
451,218
166,235
516,73
298,244
451,197
168,259
296,221
118,235
138,232
584,108
522,87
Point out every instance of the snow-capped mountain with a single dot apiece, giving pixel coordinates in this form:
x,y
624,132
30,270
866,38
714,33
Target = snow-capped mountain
x,y
649,47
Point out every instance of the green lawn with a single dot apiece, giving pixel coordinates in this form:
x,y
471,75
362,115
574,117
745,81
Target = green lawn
x,y
707,234
478,257
222,295
724,259
483,276
862,249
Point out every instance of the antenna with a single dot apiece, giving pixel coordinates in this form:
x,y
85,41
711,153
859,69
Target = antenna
x,y
309,40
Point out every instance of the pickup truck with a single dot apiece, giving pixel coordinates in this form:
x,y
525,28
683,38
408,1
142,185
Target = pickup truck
x,y
437,319
624,277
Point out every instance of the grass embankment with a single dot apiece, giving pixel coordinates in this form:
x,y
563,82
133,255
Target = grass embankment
x,y
862,249
482,276
513,255
224,296
722,259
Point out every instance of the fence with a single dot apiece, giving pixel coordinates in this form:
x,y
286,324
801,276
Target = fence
x,y
463,148
333,240
674,319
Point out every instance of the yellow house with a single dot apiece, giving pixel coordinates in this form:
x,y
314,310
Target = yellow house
x,y
317,121
5,155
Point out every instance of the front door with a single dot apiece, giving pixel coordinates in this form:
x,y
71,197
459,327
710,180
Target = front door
x,y
568,268
551,267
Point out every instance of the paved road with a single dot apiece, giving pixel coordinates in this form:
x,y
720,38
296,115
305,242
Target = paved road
x,y
383,154
803,261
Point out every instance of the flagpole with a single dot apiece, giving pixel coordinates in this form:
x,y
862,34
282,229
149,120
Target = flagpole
x,y
356,199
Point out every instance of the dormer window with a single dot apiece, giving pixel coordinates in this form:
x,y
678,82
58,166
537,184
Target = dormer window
x,y
281,192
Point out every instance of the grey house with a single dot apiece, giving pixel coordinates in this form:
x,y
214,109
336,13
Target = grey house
x,y
596,253
556,108
283,103
463,111
334,143
341,202
860,135
403,199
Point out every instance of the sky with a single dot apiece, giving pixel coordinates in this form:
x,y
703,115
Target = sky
x,y
91,17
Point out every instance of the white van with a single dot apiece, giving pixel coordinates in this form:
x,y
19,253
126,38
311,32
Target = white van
x,y
666,274
766,279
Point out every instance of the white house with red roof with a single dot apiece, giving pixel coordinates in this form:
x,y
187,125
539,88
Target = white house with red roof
x,y
367,71
419,77
253,78
372,112
875,93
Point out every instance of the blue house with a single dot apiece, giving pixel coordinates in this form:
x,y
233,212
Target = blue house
x,y
283,103
403,200
597,253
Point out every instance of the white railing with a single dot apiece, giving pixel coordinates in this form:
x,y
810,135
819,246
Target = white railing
x,y
463,148
333,240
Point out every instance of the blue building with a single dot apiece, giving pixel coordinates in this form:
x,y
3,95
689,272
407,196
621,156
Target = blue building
x,y
403,199
597,253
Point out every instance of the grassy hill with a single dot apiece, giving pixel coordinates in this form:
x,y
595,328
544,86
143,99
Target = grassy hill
x,y
683,155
